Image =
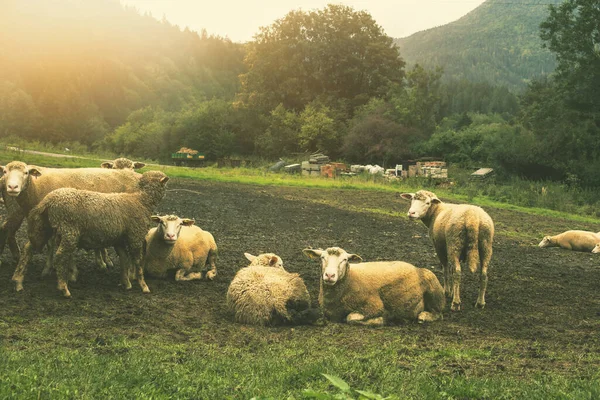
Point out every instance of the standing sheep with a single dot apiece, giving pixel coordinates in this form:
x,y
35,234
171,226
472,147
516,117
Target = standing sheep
x,y
29,184
178,244
374,293
91,220
264,293
572,240
460,232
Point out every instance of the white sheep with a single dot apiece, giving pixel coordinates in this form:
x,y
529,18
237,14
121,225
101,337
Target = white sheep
x,y
572,240
91,220
460,232
29,184
122,163
374,293
264,293
178,244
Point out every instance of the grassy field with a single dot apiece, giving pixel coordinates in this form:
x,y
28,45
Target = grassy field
x,y
538,338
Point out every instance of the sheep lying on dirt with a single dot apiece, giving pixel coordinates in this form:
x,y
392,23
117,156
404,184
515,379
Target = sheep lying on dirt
x,y
91,220
460,232
178,244
122,163
572,240
29,184
374,293
264,293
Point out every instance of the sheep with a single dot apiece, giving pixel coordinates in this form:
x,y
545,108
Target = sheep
x,y
178,244
91,220
9,228
596,248
264,293
122,163
375,293
460,232
29,184
572,240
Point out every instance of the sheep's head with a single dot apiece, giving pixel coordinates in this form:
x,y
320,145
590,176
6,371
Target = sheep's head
x,y
596,248
334,263
169,226
546,241
420,203
16,176
265,260
122,163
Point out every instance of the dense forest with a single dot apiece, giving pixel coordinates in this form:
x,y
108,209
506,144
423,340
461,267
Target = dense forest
x,y
97,74
497,43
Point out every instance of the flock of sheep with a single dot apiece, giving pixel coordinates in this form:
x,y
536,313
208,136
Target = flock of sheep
x,y
112,206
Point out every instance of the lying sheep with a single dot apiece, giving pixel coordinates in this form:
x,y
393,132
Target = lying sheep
x,y
122,163
178,244
264,293
91,220
572,240
596,248
29,184
460,232
374,293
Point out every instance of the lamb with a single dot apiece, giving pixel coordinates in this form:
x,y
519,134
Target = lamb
x,y
375,293
460,232
572,240
29,184
178,244
264,293
122,163
91,220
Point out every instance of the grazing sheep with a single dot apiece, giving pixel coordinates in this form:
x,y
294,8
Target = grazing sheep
x,y
122,163
29,184
460,232
91,220
373,293
264,293
178,244
572,240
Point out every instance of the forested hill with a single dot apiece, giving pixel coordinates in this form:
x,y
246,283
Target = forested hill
x,y
73,70
498,43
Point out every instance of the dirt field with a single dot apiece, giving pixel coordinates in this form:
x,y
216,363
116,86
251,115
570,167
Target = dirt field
x,y
543,305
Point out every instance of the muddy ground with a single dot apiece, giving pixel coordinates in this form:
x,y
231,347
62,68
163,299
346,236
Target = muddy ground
x,y
545,300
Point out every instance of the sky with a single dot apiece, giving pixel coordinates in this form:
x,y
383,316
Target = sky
x,y
239,20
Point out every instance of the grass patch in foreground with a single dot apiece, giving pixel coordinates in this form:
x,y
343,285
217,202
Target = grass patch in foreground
x,y
124,368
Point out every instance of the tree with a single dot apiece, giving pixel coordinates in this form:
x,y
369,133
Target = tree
x,y
334,52
572,32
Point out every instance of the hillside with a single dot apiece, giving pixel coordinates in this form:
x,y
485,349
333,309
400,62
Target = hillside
x,y
498,43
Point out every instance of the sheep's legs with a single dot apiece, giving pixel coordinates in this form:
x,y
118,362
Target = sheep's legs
x,y
486,255
65,268
455,283
427,316
102,258
212,258
21,269
181,276
359,319
125,266
51,249
8,231
136,258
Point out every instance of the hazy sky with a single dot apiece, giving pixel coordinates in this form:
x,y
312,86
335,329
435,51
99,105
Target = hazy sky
x,y
239,20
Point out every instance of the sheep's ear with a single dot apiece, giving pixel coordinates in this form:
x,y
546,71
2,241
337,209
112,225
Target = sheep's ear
x,y
156,218
164,180
187,222
34,171
273,261
3,171
250,257
107,164
407,196
355,258
313,253
435,200
138,165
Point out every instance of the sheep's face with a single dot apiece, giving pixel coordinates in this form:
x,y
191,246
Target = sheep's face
x,y
596,248
16,176
169,226
265,260
335,263
122,163
546,241
420,203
